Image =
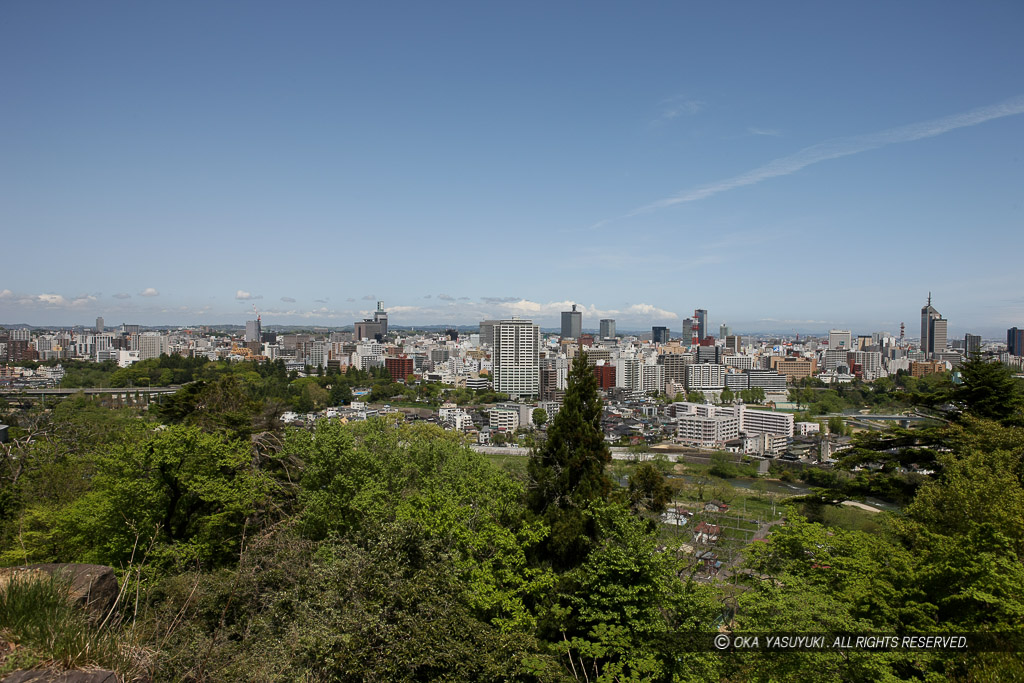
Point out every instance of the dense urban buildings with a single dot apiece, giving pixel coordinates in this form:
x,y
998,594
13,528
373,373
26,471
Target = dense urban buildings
x,y
513,357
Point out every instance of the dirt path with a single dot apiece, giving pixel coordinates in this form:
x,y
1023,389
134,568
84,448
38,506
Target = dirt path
x,y
862,506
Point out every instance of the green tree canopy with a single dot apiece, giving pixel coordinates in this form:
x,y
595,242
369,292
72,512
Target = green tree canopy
x,y
989,390
648,489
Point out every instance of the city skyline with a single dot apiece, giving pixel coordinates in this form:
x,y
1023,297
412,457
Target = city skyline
x,y
549,323
638,162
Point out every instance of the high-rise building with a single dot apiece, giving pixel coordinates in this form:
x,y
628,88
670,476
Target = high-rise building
x,y
933,330
659,335
701,316
709,353
1015,341
253,330
380,316
607,328
972,343
151,345
99,325
938,336
572,323
375,327
723,331
487,332
516,358
689,331
399,367
840,339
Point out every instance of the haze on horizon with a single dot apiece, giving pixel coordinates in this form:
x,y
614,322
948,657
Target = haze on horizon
x,y
784,167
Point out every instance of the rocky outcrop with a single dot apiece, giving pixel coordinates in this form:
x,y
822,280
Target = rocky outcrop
x,y
92,586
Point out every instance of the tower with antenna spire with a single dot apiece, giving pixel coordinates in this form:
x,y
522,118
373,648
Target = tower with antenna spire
x,y
933,330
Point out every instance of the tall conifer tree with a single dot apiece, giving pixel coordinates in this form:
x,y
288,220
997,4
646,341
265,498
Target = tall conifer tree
x,y
568,473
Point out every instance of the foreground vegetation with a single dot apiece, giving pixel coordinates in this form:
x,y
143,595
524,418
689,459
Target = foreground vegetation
x,y
386,551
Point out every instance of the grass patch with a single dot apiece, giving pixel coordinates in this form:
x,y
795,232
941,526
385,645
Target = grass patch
x,y
843,517
44,629
513,464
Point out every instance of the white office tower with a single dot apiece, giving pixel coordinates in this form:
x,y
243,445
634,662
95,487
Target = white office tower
x,y
516,358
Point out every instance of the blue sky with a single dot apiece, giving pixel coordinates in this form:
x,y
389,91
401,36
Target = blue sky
x,y
788,166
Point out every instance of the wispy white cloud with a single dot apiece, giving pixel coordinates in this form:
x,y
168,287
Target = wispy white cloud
x,y
674,107
764,131
834,149
288,299
651,311
48,300
149,291
122,295
552,309
242,295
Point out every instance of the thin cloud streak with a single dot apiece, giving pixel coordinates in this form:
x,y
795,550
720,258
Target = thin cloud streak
x,y
840,147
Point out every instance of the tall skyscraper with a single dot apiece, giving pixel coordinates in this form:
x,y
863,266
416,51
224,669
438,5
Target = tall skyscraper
x,y
701,315
487,331
972,343
1015,341
933,330
607,328
516,357
723,331
99,325
380,316
659,335
572,323
253,330
689,331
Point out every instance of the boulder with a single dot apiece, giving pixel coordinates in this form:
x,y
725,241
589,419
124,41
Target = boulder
x,y
92,586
